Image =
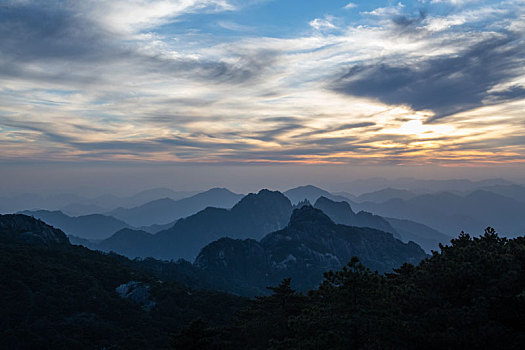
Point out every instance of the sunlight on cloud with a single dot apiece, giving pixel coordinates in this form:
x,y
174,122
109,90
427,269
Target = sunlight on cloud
x,y
417,128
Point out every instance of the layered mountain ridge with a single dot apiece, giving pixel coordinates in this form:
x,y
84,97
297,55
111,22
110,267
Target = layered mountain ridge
x,y
252,217
452,213
167,210
308,246
93,226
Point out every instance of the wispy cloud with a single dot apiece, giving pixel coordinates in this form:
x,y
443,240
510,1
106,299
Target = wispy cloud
x,y
230,25
326,23
454,2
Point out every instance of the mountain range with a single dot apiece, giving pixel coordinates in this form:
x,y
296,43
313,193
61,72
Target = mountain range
x,y
77,205
405,214
452,213
405,230
342,213
493,202
57,295
513,191
148,217
372,184
385,194
308,246
252,217
310,193
166,210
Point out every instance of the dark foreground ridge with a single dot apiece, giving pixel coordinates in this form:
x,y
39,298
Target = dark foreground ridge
x,y
27,229
54,295
469,296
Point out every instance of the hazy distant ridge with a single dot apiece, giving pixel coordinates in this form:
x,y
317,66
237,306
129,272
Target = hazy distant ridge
x,y
167,210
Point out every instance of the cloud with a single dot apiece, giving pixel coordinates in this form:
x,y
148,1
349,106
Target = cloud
x,y
30,32
350,5
322,24
444,84
406,21
388,12
76,85
233,26
80,52
133,16
454,2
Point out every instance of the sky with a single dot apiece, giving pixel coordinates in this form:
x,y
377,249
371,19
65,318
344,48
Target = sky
x,y
121,94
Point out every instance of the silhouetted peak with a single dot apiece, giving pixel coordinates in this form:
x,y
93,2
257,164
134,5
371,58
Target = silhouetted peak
x,y
308,188
264,198
160,201
128,232
310,216
217,190
267,192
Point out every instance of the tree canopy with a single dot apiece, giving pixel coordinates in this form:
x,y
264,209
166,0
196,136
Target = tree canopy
x,y
470,295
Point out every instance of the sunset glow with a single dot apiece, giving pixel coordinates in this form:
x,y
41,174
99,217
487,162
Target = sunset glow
x,y
212,82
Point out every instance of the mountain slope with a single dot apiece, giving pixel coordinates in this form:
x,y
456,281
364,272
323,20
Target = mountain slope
x,y
406,230
130,242
167,210
342,213
310,245
516,192
428,238
94,226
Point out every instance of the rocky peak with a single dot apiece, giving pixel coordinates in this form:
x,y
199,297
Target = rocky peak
x,y
266,210
308,216
263,199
